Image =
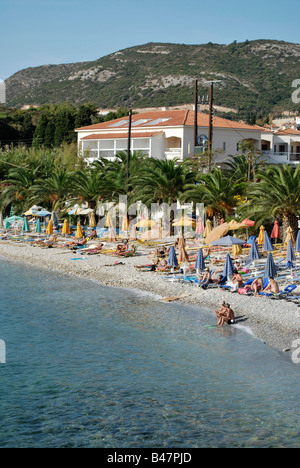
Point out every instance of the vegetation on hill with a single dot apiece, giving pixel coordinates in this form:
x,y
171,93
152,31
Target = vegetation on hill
x,y
255,77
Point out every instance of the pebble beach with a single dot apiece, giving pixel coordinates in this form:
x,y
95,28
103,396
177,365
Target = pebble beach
x,y
276,322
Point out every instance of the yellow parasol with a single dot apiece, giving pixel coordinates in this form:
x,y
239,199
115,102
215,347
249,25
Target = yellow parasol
x,y
66,228
146,223
112,235
50,227
237,249
217,233
109,221
79,232
234,225
133,236
289,236
125,223
154,234
93,220
185,221
208,228
261,237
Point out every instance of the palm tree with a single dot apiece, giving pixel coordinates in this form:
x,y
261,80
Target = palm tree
x,y
54,190
163,182
19,187
216,191
277,194
88,186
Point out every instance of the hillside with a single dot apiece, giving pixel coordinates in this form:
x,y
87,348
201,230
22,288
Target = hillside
x,y
255,76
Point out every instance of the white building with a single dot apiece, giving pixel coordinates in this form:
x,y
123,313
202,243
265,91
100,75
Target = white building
x,y
165,134
281,145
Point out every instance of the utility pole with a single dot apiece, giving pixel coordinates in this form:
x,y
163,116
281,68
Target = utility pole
x,y
210,121
129,143
196,115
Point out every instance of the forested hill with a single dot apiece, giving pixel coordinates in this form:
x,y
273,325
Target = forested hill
x,y
255,76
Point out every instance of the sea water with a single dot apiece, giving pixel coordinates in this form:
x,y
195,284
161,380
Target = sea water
x,y
92,366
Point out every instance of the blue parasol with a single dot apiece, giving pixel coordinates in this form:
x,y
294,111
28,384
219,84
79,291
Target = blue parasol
x,y
268,246
254,252
228,267
228,240
200,264
290,254
297,246
172,261
270,269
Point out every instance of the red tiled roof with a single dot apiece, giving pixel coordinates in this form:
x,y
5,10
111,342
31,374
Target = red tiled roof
x,y
116,136
169,119
287,131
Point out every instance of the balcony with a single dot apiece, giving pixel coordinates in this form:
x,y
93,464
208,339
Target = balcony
x,y
272,157
173,153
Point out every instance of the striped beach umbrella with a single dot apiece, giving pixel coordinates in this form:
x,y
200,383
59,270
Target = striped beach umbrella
x,y
290,254
268,246
270,269
254,252
200,264
297,246
228,267
172,260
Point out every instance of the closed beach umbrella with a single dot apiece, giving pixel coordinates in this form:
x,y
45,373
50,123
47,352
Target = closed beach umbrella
x,y
38,227
275,234
270,269
208,228
112,235
6,224
79,232
228,267
237,249
25,227
254,252
200,264
289,236
290,254
125,223
183,255
133,236
93,223
1,220
50,227
297,246
66,228
172,260
109,222
200,227
261,237
54,218
268,246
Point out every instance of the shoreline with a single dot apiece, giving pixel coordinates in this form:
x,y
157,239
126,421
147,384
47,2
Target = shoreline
x,y
275,322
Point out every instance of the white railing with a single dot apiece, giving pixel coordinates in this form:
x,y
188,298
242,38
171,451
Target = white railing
x,y
173,153
273,157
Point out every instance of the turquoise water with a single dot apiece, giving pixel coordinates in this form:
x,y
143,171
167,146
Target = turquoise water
x,y
91,366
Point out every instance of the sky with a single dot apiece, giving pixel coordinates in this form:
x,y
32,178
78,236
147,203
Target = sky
x,y
41,32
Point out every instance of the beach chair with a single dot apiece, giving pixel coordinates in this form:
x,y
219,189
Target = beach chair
x,y
283,294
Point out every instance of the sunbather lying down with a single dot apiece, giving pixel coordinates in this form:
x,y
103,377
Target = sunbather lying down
x,y
77,243
93,249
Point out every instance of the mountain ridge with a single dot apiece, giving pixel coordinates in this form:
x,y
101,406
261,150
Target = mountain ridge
x,y
254,76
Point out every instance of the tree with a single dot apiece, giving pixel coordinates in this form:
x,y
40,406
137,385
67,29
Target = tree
x,y
88,186
277,194
216,191
53,190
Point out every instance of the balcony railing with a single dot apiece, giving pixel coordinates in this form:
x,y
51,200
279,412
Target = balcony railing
x,y
273,157
173,153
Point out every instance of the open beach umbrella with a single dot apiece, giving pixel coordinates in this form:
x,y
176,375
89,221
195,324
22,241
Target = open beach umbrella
x,y
275,234
200,264
290,254
297,246
172,260
270,268
254,252
234,225
261,237
228,241
228,267
216,233
38,227
185,221
50,227
66,228
289,236
25,227
247,222
79,232
145,223
93,223
268,246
